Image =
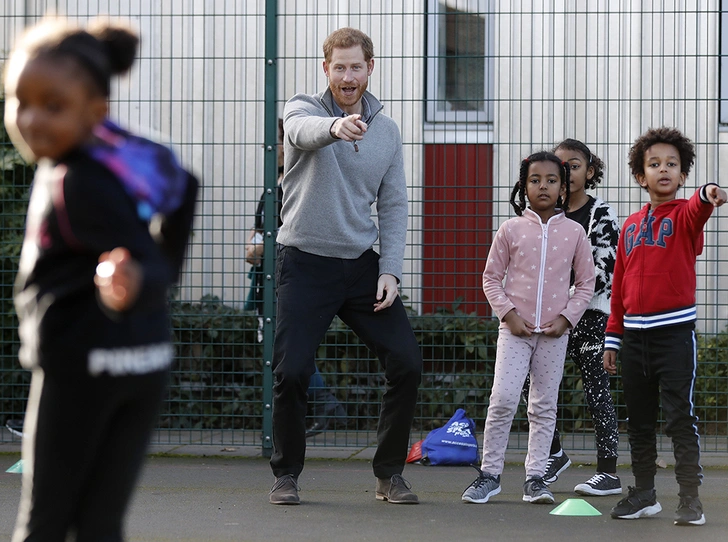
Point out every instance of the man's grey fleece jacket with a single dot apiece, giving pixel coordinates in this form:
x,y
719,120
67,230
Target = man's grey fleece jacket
x,y
328,187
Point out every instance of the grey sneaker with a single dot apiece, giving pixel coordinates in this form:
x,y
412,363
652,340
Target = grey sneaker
x,y
396,490
638,503
536,491
555,466
600,484
285,490
689,511
483,488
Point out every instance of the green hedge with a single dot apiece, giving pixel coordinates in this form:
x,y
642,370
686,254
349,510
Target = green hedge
x,y
15,179
218,379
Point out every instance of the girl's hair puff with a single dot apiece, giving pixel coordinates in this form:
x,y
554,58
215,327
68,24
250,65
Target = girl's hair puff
x,y
519,190
102,49
653,136
593,160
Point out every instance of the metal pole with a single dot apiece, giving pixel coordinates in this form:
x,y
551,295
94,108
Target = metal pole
x,y
270,224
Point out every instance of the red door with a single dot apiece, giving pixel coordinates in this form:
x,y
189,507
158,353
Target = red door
x,y
458,225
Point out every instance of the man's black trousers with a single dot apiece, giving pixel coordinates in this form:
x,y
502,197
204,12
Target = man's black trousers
x,y
312,290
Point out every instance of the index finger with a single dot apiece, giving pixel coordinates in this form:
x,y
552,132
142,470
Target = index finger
x,y
353,118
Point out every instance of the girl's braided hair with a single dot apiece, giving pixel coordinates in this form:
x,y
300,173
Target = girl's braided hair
x,y
593,160
519,190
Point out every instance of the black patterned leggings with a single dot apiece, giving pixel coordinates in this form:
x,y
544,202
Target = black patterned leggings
x,y
586,346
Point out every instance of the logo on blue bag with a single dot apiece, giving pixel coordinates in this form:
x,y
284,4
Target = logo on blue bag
x,y
451,444
459,429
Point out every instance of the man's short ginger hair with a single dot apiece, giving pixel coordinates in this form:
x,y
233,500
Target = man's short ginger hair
x,y
347,37
653,136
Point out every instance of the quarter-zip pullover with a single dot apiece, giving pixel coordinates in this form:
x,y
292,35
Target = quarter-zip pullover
x,y
329,187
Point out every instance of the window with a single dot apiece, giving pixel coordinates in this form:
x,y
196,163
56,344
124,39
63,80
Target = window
x,y
459,61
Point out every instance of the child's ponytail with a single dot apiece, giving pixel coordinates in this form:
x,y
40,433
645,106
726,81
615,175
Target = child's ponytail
x,y
593,161
519,190
566,182
102,50
120,44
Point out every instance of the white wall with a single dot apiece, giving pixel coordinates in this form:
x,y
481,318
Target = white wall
x,y
602,71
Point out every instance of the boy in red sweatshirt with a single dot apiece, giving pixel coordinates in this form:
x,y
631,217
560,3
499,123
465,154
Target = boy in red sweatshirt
x,y
653,320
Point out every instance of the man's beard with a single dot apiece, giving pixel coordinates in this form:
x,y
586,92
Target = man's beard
x,y
346,100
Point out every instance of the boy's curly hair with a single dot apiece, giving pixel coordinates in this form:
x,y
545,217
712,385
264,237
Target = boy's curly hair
x,y
592,160
519,189
671,136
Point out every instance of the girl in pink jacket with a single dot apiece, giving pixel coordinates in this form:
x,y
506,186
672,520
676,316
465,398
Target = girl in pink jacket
x,y
535,253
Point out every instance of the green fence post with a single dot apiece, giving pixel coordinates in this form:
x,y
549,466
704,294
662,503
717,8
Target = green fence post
x,y
270,175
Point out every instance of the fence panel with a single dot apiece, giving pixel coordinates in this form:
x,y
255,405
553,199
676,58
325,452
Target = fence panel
x,y
474,85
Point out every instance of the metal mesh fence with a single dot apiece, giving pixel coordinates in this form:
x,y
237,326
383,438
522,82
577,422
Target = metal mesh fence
x,y
474,85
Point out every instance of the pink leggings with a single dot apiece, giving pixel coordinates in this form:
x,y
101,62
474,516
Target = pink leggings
x,y
543,358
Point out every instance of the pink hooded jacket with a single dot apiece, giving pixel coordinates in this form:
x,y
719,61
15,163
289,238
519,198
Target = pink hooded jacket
x,y
536,260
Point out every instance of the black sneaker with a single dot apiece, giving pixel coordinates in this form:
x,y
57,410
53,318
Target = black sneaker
x,y
639,503
285,490
599,485
689,511
555,466
536,491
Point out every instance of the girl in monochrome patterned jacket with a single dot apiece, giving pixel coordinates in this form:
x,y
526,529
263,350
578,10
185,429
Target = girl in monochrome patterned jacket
x,y
586,342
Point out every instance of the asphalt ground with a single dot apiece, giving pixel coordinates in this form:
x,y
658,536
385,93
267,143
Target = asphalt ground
x,y
196,497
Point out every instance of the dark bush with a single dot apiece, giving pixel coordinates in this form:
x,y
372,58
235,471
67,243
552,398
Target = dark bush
x,y
218,379
16,177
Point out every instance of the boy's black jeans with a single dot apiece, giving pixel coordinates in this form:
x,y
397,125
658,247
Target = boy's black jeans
x,y
661,363
312,290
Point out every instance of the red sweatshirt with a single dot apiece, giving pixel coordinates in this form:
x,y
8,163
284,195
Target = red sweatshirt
x,y
654,277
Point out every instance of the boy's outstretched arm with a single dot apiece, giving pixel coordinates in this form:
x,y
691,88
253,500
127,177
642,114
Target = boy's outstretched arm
x,y
716,195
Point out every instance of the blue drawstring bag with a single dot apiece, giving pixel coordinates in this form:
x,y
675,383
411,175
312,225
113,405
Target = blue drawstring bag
x,y
452,444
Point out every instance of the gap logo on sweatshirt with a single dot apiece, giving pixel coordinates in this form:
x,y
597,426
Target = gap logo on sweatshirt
x,y
646,233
